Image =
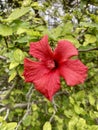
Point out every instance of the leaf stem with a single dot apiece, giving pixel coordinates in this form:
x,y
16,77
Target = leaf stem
x,y
87,50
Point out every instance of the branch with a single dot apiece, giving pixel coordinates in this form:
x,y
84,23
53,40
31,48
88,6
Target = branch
x,y
55,110
87,50
20,105
29,96
2,58
7,114
5,39
62,93
8,93
2,109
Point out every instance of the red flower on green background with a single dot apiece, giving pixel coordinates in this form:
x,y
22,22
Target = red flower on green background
x,y
51,65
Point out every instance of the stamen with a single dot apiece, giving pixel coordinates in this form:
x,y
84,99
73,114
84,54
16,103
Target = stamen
x,y
52,64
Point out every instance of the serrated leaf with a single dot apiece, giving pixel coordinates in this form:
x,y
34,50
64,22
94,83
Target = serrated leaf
x,y
24,39
73,40
72,123
93,127
90,25
71,100
3,127
80,95
13,73
93,114
91,99
5,30
21,30
68,113
17,13
11,126
79,110
81,124
13,65
34,107
47,126
27,121
67,28
18,55
89,39
58,119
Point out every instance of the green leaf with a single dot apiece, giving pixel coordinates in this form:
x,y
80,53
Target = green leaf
x,y
72,123
89,39
80,95
34,107
5,30
17,13
27,121
91,99
68,113
21,30
23,39
79,110
71,100
3,127
18,55
1,119
13,64
58,119
13,73
73,40
11,126
26,2
47,126
67,28
90,25
20,71
81,125
93,127
93,114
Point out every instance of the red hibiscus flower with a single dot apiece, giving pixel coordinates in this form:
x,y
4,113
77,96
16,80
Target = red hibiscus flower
x,y
45,73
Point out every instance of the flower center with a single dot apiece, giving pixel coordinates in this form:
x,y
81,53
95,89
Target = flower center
x,y
52,64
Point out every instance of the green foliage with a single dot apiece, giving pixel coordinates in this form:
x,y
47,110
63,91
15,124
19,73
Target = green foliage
x,y
17,13
47,126
5,30
21,106
7,126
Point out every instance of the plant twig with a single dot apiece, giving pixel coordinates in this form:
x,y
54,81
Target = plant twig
x,y
5,39
55,110
87,50
62,93
8,93
7,114
29,95
2,57
20,105
2,109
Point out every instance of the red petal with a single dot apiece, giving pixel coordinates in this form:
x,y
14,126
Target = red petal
x,y
64,50
33,70
74,72
49,84
41,49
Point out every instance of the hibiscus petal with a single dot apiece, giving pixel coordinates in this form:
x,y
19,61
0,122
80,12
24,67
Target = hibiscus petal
x,y
49,84
33,70
41,49
64,50
74,72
